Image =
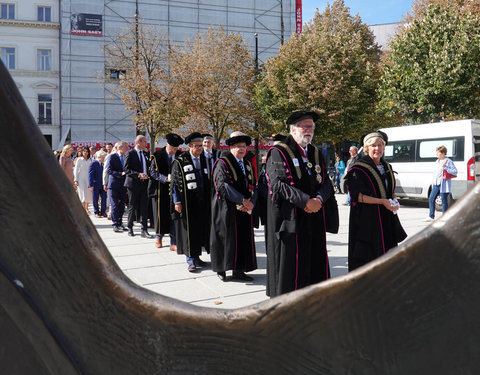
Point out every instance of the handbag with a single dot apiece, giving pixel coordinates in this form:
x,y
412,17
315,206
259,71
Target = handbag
x,y
448,176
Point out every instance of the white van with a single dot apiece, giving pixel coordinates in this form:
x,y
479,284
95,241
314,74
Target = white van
x,y
411,152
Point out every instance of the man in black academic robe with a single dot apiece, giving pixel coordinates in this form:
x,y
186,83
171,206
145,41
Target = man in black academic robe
x,y
190,201
159,189
232,242
296,219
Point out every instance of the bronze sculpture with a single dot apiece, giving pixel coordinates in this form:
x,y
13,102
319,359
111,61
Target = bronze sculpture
x,y
66,308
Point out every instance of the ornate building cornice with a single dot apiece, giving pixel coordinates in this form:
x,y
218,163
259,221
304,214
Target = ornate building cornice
x,y
31,24
34,73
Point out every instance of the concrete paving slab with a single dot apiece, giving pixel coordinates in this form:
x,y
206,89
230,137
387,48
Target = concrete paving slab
x,y
165,272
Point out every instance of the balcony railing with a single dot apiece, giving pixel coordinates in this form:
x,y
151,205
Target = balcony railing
x,y
44,121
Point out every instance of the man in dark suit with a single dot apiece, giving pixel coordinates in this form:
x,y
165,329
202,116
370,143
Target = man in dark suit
x,y
159,189
211,154
95,184
116,181
136,181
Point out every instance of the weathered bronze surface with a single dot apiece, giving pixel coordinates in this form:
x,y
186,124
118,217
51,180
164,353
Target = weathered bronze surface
x,y
66,308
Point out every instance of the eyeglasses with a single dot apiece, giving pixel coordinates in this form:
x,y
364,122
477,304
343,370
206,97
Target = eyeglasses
x,y
197,146
306,127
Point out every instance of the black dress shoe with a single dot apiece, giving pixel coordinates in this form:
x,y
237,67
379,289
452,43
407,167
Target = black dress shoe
x,y
239,275
222,276
118,230
145,234
130,232
124,228
200,263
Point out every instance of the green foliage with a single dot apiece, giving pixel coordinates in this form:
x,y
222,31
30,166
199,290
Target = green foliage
x,y
332,67
433,69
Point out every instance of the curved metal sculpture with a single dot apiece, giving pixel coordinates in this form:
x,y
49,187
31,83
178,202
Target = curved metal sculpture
x,y
66,308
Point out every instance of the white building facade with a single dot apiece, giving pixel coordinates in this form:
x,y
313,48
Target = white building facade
x,y
29,48
90,112
54,50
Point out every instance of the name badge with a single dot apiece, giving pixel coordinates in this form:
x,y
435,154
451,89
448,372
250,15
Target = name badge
x,y
295,162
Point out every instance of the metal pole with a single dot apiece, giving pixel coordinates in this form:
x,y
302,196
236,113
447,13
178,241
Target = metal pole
x,y
137,130
282,24
257,152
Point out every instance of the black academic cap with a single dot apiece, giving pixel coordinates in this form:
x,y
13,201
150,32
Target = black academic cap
x,y
174,139
193,137
302,115
237,139
373,134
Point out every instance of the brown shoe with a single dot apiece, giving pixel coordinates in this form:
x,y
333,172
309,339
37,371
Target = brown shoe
x,y
158,242
173,247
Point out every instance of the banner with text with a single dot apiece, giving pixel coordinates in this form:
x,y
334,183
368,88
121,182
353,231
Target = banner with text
x,y
299,17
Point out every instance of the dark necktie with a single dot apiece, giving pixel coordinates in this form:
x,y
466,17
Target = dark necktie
x,y
242,167
121,160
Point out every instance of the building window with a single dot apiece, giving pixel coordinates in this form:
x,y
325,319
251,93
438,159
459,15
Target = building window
x,y
8,57
116,73
44,57
44,14
44,108
7,11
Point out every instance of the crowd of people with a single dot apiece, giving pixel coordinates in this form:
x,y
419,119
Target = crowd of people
x,y
208,201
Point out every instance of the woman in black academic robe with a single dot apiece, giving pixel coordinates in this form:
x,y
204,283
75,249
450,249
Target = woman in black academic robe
x,y
374,227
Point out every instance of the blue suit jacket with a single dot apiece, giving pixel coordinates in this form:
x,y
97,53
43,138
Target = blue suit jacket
x,y
114,171
95,171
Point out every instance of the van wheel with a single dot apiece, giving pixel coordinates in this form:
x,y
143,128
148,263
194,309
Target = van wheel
x,y
438,202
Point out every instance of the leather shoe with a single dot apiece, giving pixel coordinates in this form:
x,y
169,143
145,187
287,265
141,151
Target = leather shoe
x,y
158,242
118,230
239,275
124,228
222,276
173,247
200,263
98,216
145,234
130,232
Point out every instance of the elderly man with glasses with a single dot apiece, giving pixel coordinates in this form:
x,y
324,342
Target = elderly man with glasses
x,y
296,217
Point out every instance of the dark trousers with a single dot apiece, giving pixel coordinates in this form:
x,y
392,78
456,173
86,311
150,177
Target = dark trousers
x,y
156,214
138,200
102,194
117,205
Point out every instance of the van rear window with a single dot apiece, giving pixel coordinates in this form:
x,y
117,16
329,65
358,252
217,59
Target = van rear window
x,y
427,148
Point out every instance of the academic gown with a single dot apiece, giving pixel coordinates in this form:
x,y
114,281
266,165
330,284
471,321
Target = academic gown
x,y
160,190
193,188
296,244
232,242
373,229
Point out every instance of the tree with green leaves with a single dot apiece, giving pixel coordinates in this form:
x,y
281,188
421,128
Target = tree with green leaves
x,y
144,57
333,68
432,71
214,75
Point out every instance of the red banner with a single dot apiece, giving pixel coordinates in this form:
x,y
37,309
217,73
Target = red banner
x,y
299,17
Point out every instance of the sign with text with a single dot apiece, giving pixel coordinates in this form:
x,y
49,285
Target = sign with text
x,y
298,16
86,24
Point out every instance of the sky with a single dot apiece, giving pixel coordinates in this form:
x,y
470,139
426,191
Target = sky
x,y
372,12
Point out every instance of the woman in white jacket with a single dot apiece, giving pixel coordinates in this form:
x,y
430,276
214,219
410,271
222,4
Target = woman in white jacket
x,y
443,173
80,175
